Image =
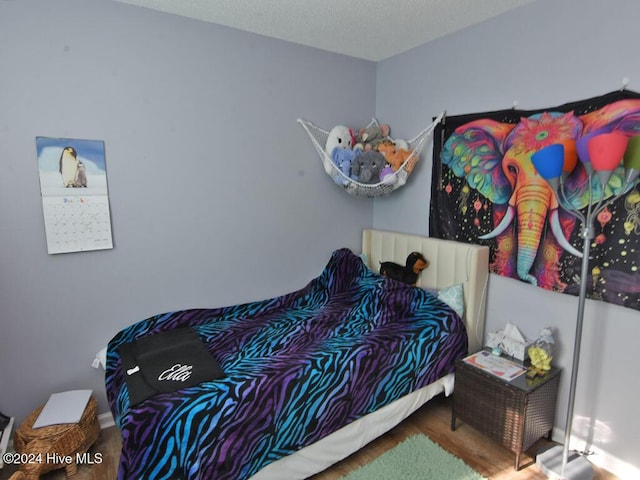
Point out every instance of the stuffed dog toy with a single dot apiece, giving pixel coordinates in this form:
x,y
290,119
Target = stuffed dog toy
x,y
409,272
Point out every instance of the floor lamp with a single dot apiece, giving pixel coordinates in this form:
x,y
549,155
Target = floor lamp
x,y
600,154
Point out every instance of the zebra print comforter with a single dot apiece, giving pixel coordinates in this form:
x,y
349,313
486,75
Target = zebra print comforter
x,y
298,367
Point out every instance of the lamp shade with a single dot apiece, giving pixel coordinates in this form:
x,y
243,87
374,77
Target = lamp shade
x,y
549,161
570,156
582,148
631,159
606,150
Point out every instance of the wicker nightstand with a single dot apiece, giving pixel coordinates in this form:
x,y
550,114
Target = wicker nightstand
x,y
517,413
55,446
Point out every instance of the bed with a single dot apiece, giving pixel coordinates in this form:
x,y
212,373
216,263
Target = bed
x,y
310,376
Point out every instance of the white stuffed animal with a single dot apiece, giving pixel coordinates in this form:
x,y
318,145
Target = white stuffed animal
x,y
339,136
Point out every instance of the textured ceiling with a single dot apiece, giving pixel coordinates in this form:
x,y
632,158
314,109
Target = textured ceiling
x,y
367,29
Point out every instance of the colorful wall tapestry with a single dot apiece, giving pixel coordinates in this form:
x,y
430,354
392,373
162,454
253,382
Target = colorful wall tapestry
x,y
486,191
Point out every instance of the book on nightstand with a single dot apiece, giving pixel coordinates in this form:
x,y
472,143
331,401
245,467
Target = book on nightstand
x,y
65,407
496,365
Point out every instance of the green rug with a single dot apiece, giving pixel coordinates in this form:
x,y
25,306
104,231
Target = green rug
x,y
416,458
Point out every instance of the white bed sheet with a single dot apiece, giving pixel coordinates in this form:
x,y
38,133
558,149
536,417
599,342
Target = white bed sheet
x,y
351,438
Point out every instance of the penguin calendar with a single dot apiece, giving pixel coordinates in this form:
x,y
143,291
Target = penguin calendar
x,y
75,198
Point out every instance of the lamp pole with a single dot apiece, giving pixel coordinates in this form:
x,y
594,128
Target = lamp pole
x,y
599,153
551,462
587,235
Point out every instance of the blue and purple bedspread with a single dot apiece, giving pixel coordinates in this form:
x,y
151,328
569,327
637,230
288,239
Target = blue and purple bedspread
x,y
298,367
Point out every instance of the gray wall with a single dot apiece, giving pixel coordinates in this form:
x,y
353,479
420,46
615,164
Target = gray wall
x,y
544,54
217,195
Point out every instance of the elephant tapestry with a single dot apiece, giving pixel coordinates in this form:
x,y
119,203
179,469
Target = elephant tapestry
x,y
486,191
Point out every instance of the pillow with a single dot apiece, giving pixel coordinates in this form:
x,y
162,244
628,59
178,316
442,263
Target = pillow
x,y
452,296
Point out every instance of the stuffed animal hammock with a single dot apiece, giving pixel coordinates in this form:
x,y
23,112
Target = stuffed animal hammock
x,y
389,182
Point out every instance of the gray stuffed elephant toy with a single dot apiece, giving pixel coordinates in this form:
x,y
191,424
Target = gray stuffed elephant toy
x,y
367,166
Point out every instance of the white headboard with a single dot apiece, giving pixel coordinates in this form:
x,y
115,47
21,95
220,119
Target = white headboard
x,y
450,263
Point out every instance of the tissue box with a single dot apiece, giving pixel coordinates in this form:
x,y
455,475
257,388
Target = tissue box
x,y
510,346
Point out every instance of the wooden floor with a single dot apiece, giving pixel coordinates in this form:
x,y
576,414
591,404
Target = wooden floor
x,y
433,419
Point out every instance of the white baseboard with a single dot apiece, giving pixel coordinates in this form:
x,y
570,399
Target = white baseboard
x,y
600,457
106,420
6,442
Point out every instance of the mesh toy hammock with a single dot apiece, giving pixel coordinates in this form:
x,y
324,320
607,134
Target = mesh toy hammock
x,y
391,182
